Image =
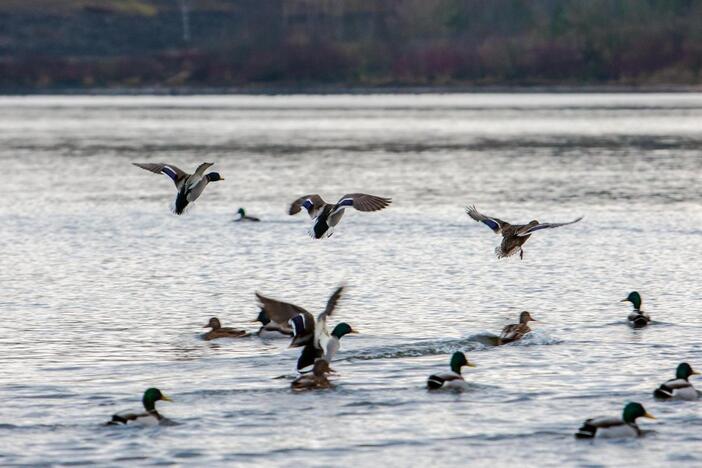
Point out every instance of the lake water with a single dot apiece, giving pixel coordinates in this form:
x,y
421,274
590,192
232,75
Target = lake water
x,y
105,292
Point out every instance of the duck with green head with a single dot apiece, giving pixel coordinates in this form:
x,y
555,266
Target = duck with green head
x,y
451,380
244,217
613,427
637,318
311,352
149,417
679,388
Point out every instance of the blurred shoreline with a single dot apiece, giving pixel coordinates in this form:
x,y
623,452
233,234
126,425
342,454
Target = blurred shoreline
x,y
341,90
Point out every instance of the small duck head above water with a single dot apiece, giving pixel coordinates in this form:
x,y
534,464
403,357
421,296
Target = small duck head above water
x,y
242,212
684,371
634,410
151,396
526,317
343,329
635,298
213,177
214,324
459,360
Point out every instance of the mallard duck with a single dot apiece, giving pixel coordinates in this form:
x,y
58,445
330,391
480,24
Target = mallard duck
x,y
150,417
516,331
316,379
312,334
244,217
189,186
637,318
327,215
453,379
609,427
513,235
270,329
218,331
679,388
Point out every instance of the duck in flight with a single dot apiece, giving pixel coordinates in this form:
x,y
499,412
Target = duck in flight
x,y
189,186
309,333
513,235
327,215
637,318
244,217
149,417
218,331
613,427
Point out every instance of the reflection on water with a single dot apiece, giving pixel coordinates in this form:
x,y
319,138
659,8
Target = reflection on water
x,y
105,292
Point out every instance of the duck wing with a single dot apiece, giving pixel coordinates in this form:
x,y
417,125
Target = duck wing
x,y
177,175
321,333
301,321
510,332
364,202
527,230
200,171
125,417
493,223
312,203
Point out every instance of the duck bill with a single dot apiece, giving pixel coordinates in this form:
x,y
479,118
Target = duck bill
x,y
649,415
624,300
694,372
354,332
470,364
166,398
206,326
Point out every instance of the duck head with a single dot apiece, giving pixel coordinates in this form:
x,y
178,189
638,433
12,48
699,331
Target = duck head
x,y
262,317
635,298
343,329
213,324
458,360
684,371
526,317
151,396
241,212
214,177
635,410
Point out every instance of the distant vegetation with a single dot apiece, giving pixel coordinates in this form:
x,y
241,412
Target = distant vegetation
x,y
60,44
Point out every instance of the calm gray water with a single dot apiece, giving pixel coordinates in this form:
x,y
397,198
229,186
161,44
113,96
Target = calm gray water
x,y
104,292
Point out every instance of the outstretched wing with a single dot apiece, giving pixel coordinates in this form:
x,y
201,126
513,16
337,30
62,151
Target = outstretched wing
x,y
283,313
364,202
312,203
170,170
200,171
331,303
493,223
526,230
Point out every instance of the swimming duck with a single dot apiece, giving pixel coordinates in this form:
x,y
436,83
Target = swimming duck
x,y
270,329
244,217
150,417
189,186
307,332
637,318
327,215
679,388
610,427
453,379
316,379
218,331
517,331
513,235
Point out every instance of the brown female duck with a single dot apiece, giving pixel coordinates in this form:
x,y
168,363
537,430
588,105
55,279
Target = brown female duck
x,y
218,331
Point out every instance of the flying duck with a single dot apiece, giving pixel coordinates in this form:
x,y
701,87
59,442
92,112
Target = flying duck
x,y
244,217
610,427
316,379
451,380
269,328
327,215
679,388
513,235
150,417
637,318
307,332
516,331
189,186
218,331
